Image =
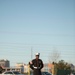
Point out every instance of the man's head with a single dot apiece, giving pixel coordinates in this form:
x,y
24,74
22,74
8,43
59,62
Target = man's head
x,y
37,55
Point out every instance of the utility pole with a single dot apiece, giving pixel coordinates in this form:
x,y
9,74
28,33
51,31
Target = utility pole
x,y
31,53
31,59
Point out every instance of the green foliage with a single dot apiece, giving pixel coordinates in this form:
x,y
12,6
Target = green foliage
x,y
63,68
63,65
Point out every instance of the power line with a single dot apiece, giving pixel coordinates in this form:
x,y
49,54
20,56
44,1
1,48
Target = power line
x,y
40,34
13,43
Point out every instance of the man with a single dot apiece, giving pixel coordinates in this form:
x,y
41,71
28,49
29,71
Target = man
x,y
36,65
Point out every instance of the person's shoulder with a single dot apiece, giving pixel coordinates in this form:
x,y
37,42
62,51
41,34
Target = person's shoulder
x,y
40,59
33,59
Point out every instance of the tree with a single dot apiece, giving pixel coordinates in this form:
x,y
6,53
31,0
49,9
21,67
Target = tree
x,y
63,65
54,56
63,68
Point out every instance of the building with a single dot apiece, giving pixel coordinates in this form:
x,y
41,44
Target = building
x,y
20,67
45,68
12,69
5,63
50,67
24,67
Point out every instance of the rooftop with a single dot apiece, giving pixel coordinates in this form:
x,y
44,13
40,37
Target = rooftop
x,y
4,60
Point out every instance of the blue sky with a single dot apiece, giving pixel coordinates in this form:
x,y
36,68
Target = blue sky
x,y
43,25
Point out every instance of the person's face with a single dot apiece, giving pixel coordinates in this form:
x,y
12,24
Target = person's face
x,y
37,56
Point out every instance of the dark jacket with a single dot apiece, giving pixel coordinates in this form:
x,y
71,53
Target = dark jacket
x,y
36,66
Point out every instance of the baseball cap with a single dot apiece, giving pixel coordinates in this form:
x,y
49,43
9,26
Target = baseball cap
x,y
37,54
